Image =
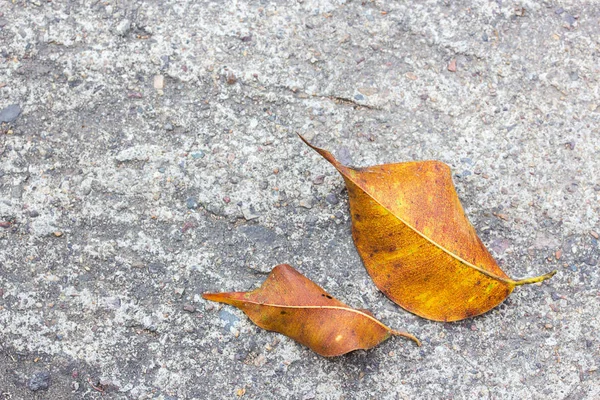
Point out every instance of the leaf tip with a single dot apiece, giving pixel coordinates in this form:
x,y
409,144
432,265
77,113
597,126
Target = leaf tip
x,y
309,144
212,296
324,153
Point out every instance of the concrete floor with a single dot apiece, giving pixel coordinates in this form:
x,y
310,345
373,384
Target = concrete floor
x,y
152,156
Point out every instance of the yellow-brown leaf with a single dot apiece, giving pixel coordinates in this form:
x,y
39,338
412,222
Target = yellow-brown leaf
x,y
417,243
289,303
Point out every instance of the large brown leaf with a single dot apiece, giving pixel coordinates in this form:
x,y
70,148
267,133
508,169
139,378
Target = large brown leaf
x,y
289,303
416,242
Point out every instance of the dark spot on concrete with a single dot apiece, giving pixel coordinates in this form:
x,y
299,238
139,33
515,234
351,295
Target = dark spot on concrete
x,y
40,380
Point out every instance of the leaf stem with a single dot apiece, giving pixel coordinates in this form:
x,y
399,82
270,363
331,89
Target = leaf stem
x,y
406,335
535,279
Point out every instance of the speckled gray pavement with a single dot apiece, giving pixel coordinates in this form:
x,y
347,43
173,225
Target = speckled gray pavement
x,y
148,153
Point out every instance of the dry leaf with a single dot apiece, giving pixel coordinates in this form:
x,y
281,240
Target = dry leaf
x,y
289,303
416,242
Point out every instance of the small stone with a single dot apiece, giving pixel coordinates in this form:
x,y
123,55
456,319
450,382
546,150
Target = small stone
x,y
40,380
159,82
249,213
318,180
168,126
558,254
197,155
179,291
229,318
75,386
112,303
519,11
189,308
123,27
227,199
58,233
452,65
559,11
10,114
594,234
311,219
34,214
574,75
590,261
555,296
332,199
548,326
230,77
191,203
359,97
569,19
368,91
306,203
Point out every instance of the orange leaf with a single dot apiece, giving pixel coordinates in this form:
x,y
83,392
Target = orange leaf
x,y
289,303
417,243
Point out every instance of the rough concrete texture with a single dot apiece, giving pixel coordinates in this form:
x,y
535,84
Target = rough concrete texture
x,y
155,157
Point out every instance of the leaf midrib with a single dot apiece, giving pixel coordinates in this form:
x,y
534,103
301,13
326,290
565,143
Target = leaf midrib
x,y
321,307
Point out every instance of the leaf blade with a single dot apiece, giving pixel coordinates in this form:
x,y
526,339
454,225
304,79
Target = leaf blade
x,y
320,322
416,242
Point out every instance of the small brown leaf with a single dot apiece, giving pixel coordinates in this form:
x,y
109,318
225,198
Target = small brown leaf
x,y
417,243
289,303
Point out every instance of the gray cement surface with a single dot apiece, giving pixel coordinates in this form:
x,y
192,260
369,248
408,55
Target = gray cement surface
x,y
152,156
